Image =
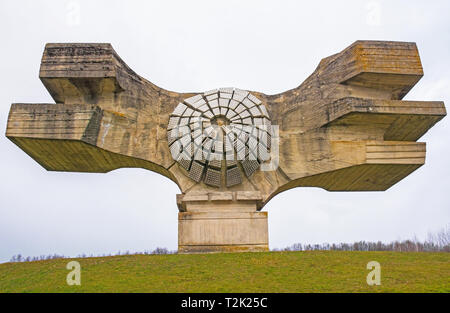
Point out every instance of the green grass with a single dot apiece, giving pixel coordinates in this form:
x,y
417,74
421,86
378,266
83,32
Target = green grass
x,y
319,271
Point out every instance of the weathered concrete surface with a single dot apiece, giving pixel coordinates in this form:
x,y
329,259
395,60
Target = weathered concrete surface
x,y
214,231
345,128
221,221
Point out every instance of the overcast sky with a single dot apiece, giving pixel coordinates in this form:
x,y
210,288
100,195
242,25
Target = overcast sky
x,y
267,46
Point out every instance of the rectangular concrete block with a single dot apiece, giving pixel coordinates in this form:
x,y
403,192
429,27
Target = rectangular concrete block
x,y
222,231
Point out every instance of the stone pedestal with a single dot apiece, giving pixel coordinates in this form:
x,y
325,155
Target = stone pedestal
x,y
221,222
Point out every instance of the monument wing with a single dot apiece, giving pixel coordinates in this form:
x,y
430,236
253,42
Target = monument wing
x,y
345,128
105,117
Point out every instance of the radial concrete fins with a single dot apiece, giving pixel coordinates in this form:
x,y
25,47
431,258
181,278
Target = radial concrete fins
x,y
213,135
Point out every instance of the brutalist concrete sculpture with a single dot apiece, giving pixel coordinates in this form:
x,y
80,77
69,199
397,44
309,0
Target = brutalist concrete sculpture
x,y
345,128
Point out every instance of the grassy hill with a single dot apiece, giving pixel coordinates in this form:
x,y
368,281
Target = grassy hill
x,y
318,271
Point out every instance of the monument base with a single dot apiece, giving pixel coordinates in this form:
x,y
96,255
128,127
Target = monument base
x,y
221,222
222,231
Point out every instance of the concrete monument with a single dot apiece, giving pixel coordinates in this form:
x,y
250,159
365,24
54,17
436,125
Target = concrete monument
x,y
345,128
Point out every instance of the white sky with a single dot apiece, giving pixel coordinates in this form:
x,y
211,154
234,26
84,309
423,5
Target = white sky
x,y
267,46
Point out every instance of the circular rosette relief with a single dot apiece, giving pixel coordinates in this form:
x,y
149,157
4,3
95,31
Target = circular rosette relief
x,y
220,136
